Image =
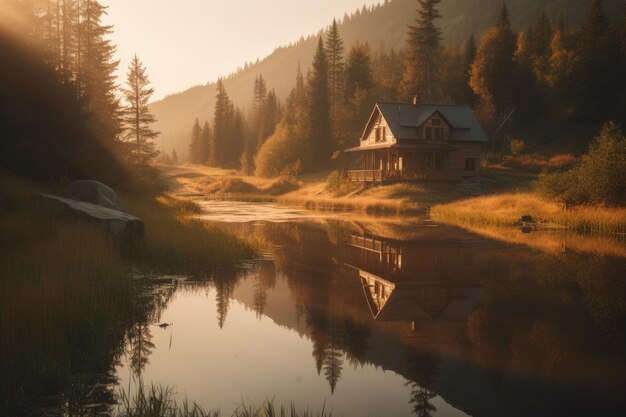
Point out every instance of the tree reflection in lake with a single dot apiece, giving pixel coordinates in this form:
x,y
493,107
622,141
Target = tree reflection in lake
x,y
491,327
507,320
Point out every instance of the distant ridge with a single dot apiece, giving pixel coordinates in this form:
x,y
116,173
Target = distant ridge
x,y
382,26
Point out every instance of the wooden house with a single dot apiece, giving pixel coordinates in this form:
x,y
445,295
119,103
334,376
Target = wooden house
x,y
423,280
417,142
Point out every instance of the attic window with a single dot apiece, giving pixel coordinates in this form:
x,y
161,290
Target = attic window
x,y
439,133
436,122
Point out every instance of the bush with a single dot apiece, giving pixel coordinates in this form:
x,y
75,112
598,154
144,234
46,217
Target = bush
x,y
279,155
333,182
516,146
600,178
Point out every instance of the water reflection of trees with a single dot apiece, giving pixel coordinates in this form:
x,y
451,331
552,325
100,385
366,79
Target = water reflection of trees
x,y
502,308
422,372
150,302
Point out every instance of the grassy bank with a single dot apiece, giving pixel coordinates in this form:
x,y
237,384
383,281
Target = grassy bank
x,y
68,294
506,209
311,191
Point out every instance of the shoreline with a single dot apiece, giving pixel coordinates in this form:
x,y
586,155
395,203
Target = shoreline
x,y
443,202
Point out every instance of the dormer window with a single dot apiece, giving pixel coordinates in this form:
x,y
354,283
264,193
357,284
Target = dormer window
x,y
436,122
438,133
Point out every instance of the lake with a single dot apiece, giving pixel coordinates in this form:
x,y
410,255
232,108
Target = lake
x,y
389,317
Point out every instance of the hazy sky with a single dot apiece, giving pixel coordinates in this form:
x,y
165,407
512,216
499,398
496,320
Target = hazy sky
x,y
189,42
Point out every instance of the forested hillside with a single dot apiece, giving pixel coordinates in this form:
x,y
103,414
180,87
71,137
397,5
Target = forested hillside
x,y
383,27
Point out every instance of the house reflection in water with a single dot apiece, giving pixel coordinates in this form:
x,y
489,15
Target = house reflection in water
x,y
419,281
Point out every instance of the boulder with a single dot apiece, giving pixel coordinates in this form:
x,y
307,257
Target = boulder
x,y
93,192
122,227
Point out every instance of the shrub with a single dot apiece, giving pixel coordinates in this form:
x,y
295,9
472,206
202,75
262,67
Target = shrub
x,y
333,182
516,146
600,178
279,155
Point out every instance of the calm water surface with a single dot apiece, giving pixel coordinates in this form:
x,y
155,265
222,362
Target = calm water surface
x,y
390,319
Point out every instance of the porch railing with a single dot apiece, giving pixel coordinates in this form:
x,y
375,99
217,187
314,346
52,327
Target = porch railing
x,y
371,175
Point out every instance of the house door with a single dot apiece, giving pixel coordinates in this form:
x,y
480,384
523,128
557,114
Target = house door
x,y
400,165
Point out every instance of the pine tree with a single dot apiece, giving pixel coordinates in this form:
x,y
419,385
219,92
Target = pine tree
x,y
319,137
270,116
423,50
359,98
228,131
596,96
195,146
526,98
296,109
259,103
334,55
358,70
222,125
237,139
137,116
206,138
174,156
388,71
98,70
469,56
539,41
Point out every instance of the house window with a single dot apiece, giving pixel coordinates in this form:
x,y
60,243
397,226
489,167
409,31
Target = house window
x,y
439,163
427,162
470,164
380,134
436,122
428,132
439,133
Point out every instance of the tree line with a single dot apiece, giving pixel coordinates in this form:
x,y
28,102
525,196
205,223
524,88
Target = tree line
x,y
62,113
511,79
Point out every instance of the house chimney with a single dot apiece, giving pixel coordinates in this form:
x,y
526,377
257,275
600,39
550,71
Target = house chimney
x,y
417,100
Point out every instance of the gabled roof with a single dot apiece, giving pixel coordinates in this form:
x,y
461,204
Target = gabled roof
x,y
405,119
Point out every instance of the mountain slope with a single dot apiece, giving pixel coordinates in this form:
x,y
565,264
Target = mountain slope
x,y
382,26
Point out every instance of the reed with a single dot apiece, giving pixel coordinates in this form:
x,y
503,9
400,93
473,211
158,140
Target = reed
x,y
177,242
506,210
159,401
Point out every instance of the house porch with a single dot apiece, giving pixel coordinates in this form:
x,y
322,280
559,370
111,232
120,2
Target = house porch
x,y
392,164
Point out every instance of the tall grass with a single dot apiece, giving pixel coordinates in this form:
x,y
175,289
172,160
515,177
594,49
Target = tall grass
x,y
158,401
176,242
67,293
64,289
392,199
506,210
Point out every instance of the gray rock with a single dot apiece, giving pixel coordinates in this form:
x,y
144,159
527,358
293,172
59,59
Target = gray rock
x,y
122,227
93,192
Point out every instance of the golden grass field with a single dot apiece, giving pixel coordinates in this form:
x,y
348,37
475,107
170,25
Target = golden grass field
x,y
506,209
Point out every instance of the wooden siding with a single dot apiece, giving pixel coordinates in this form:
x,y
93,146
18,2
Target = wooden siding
x,y
428,124
456,159
370,137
